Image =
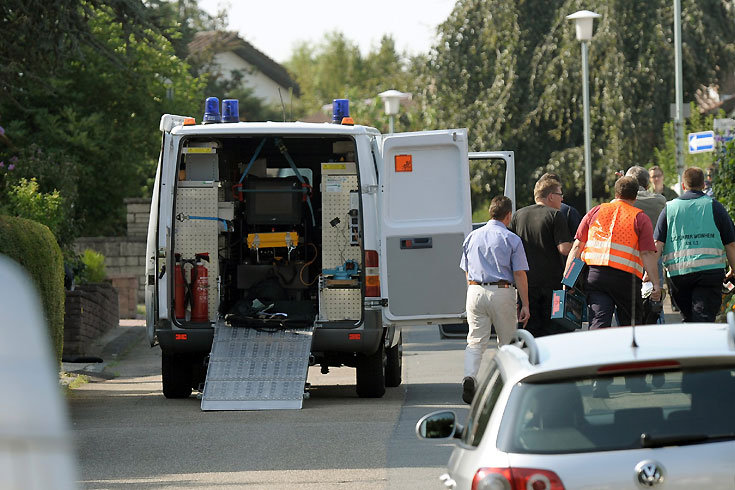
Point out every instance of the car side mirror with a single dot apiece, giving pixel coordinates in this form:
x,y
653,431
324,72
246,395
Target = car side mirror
x,y
438,425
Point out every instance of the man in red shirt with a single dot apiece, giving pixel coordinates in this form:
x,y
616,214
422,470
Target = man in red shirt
x,y
615,240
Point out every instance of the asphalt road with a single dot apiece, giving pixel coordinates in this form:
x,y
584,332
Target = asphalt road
x,y
128,435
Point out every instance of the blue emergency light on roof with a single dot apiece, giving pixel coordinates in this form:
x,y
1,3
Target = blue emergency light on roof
x,y
211,111
340,110
230,111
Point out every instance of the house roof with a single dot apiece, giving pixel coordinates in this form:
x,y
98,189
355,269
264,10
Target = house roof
x,y
221,41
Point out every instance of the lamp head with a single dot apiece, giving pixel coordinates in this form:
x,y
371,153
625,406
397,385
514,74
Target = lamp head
x,y
392,99
583,21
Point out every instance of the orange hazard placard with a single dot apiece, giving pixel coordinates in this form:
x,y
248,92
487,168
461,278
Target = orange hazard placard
x,y
404,163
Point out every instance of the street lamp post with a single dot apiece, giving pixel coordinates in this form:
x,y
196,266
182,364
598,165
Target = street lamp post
x,y
679,119
583,21
392,100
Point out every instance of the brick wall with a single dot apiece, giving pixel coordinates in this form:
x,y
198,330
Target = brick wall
x,y
91,310
125,256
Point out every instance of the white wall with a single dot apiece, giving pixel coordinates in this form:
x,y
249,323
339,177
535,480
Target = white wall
x,y
263,87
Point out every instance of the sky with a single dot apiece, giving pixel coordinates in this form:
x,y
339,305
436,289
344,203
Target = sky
x,y
276,26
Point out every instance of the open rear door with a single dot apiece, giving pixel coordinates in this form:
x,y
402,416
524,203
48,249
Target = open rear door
x,y
425,215
506,171
151,269
157,246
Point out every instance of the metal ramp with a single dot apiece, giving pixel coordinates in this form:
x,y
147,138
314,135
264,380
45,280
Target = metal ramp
x,y
251,369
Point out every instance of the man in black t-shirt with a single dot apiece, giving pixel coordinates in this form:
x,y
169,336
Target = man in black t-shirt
x,y
570,213
546,240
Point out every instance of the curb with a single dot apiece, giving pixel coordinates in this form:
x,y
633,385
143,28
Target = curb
x,y
105,350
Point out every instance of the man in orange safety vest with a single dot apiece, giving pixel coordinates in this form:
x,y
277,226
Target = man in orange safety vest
x,y
615,240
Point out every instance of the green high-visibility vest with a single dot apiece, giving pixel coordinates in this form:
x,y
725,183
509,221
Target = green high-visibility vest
x,y
693,242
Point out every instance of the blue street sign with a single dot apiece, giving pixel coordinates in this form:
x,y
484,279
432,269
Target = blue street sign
x,y
701,142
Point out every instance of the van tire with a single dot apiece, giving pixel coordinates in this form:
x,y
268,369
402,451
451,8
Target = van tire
x,y
370,374
394,364
176,374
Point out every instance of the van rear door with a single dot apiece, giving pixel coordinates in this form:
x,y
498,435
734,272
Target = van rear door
x,y
158,262
151,268
425,214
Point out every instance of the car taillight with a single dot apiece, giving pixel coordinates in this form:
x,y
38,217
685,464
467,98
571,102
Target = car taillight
x,y
372,274
516,479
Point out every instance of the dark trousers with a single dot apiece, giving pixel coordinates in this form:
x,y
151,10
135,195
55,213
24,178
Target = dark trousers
x,y
539,306
608,289
698,295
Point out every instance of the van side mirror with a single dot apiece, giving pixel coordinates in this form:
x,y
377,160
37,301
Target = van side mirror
x,y
438,425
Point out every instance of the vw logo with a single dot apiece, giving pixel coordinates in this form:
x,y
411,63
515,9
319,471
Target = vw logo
x,y
649,474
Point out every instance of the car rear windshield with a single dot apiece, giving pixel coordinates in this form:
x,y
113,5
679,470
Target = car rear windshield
x,y
620,412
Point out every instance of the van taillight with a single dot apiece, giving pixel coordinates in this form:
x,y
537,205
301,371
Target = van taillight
x,y
516,479
372,274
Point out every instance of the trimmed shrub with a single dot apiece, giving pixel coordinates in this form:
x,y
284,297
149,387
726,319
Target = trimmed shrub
x,y
33,246
94,267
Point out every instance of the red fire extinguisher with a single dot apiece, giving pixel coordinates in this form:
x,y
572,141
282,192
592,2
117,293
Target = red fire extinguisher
x,y
200,289
179,289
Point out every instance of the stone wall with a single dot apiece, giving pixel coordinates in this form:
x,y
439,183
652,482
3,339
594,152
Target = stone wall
x,y
91,310
125,256
138,214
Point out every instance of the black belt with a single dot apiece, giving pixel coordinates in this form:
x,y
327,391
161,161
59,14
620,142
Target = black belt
x,y
500,284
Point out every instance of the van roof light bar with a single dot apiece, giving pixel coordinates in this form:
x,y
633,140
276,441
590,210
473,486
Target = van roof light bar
x,y
524,338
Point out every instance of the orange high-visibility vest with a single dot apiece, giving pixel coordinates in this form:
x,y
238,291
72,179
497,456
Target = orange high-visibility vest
x,y
612,240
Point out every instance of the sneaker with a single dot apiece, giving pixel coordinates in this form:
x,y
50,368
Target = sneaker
x,y
599,390
468,389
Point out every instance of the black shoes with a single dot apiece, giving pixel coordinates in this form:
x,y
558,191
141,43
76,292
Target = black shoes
x,y
468,389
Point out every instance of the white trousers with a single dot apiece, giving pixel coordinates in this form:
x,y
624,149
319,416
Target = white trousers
x,y
488,306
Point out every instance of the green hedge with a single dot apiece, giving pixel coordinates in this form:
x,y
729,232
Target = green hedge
x,y
33,246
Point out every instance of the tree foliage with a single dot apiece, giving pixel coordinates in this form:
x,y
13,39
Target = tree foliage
x,y
665,155
511,72
723,182
336,69
95,115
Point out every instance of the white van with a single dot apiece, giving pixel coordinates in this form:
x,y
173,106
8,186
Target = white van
x,y
319,241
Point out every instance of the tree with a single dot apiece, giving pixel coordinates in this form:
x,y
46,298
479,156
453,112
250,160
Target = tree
x,y
37,38
99,111
336,69
723,182
511,72
665,155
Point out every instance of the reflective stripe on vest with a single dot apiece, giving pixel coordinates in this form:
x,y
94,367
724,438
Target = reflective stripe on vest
x,y
612,240
693,242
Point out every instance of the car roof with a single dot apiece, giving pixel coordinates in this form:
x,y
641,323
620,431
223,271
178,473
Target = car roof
x,y
586,351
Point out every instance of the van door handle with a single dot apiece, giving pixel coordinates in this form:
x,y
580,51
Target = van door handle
x,y
416,243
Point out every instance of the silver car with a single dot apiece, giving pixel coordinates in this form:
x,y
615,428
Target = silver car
x,y
616,408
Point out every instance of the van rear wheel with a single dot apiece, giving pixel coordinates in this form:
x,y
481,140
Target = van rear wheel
x,y
370,374
177,376
394,364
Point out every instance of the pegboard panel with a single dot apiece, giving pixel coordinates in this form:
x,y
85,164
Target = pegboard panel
x,y
336,248
340,304
193,236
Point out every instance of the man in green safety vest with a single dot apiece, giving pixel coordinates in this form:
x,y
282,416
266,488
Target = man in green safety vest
x,y
697,238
